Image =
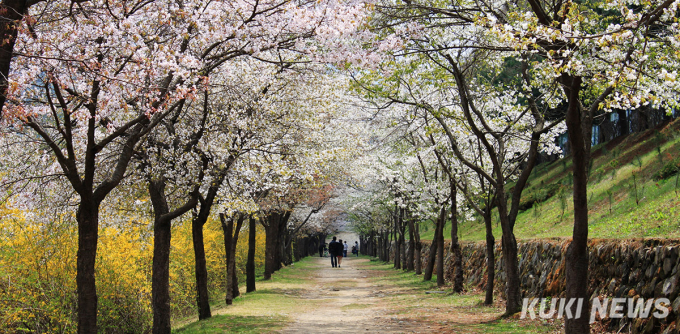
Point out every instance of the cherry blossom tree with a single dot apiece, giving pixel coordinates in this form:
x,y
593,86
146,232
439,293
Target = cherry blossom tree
x,y
599,55
483,115
88,105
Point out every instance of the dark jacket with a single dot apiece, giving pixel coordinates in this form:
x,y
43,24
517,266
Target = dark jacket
x,y
335,248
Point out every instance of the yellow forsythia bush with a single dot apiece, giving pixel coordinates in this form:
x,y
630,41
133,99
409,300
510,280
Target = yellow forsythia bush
x,y
38,269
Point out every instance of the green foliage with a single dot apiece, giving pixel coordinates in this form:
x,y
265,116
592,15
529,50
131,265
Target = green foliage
x,y
37,285
637,162
605,151
562,197
658,139
614,165
627,219
669,169
534,196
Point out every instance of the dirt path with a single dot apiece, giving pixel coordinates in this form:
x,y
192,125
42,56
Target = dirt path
x,y
350,303
361,297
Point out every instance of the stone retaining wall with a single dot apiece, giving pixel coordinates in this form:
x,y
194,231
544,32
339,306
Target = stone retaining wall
x,y
639,268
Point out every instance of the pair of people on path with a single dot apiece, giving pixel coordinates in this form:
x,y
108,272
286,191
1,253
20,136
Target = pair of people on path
x,y
336,249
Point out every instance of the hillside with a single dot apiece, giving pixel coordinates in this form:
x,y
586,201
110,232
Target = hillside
x,y
628,198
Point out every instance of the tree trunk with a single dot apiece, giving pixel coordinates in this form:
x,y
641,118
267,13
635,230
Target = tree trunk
x,y
373,244
201,271
513,302
376,245
230,240
202,297
250,265
432,258
88,226
386,246
440,249
419,248
232,280
271,243
198,222
456,254
362,243
411,258
490,258
160,285
283,233
228,229
287,240
160,276
402,239
235,292
577,252
397,245
381,245
11,13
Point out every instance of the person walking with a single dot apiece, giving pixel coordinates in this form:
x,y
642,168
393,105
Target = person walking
x,y
355,248
332,249
322,248
344,249
340,251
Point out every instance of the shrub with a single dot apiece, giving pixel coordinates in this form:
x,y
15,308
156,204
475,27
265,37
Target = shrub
x,y
669,169
38,267
614,165
538,195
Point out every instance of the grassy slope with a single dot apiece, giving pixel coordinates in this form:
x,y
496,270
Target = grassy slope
x,y
614,166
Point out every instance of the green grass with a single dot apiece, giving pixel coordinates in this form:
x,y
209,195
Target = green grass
x,y
297,273
399,278
515,326
264,310
451,312
234,324
656,215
